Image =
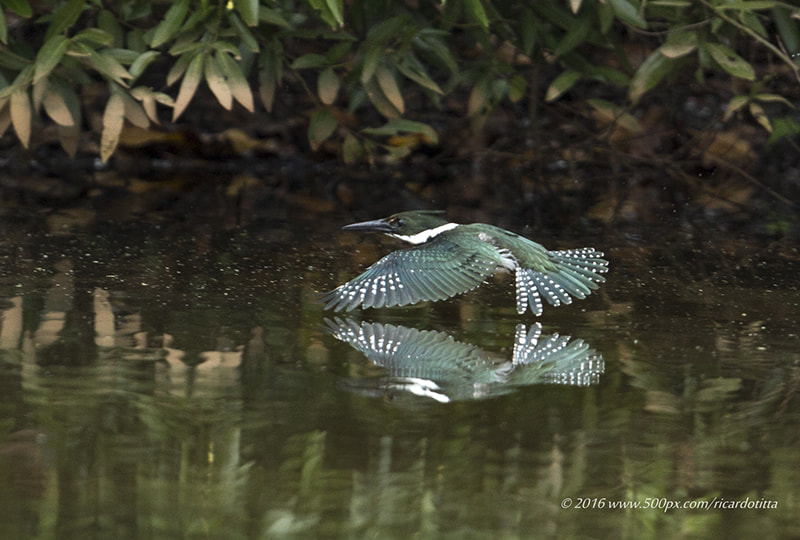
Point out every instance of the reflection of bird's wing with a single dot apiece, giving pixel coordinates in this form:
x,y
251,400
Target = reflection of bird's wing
x,y
411,353
432,271
554,359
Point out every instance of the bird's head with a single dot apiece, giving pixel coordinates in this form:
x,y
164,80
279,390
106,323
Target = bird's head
x,y
416,226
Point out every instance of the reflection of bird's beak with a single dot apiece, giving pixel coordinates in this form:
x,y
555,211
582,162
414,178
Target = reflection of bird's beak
x,y
377,225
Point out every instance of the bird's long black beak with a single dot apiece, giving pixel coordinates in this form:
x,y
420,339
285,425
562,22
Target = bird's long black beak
x,y
376,225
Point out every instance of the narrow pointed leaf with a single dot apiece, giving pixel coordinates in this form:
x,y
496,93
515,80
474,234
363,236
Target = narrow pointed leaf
x,y
378,99
248,9
20,7
760,115
113,120
351,149
140,64
248,40
322,126
237,82
3,27
730,61
736,103
64,17
189,85
337,10
327,86
388,85
217,83
679,44
69,137
134,112
372,59
21,115
49,56
56,108
173,19
562,84
628,13
650,73
477,12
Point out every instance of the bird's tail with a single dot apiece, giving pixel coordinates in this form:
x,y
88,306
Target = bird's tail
x,y
576,273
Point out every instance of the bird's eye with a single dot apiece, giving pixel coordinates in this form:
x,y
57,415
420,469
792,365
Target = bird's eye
x,y
399,222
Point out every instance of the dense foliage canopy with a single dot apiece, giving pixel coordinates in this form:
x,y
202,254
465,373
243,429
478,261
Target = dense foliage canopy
x,y
151,57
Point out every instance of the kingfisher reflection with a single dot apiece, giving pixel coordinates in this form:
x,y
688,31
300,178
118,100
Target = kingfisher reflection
x,y
432,364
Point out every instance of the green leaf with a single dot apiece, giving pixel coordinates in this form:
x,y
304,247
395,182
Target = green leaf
x,y
653,69
736,103
516,88
477,13
327,86
94,36
787,29
308,61
351,149
140,64
270,75
172,21
337,10
760,115
179,68
64,17
562,84
371,60
134,112
773,98
21,115
217,83
3,28
401,125
113,120
627,13
731,62
189,85
236,80
248,40
747,5
528,31
575,35
49,56
248,9
782,128
56,107
20,7
273,16
679,44
321,126
108,65
388,84
413,69
378,99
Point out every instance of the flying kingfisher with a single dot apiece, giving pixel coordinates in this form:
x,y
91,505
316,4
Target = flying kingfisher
x,y
449,259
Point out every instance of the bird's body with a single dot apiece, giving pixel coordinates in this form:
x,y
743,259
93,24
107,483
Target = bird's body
x,y
449,259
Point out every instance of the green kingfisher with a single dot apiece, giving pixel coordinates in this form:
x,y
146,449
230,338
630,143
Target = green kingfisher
x,y
449,259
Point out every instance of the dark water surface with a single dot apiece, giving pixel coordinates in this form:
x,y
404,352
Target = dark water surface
x,y
164,380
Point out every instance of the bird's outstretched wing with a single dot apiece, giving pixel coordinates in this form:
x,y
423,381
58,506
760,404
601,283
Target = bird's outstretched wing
x,y
433,271
568,273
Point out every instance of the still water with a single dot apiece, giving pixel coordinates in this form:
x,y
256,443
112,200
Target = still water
x,y
162,380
